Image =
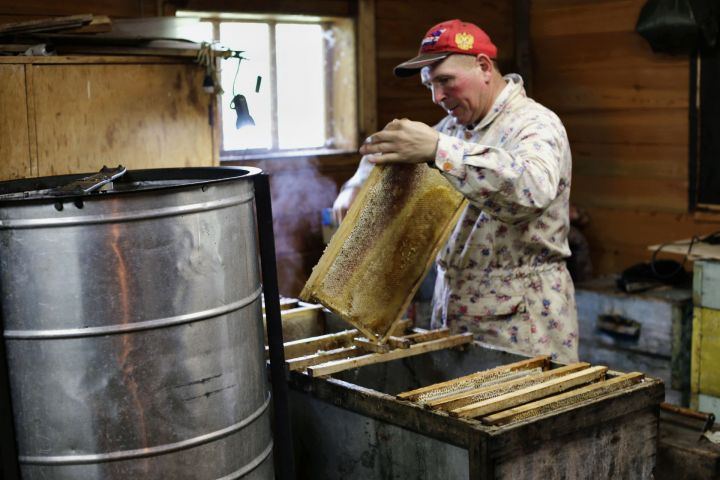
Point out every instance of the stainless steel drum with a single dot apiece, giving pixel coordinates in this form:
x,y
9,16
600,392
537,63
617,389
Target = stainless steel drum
x,y
133,329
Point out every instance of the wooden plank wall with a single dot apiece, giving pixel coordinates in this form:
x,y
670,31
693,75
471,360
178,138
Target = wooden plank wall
x,y
626,112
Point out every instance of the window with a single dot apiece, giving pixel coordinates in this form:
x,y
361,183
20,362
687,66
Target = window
x,y
305,70
705,132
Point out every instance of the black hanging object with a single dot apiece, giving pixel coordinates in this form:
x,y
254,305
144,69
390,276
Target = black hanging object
x,y
239,104
678,26
644,276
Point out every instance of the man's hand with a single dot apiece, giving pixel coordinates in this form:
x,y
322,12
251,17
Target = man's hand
x,y
342,203
402,141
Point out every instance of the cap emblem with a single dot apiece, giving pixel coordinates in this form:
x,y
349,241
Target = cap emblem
x,y
464,41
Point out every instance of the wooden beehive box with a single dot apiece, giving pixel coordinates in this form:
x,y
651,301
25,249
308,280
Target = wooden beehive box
x,y
705,375
645,331
683,451
352,425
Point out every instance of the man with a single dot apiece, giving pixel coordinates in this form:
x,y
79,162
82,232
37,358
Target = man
x,y
502,273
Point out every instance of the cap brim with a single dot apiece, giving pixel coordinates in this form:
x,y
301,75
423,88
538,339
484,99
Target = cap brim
x,y
412,66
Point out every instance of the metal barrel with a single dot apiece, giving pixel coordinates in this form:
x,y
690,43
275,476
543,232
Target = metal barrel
x,y
133,330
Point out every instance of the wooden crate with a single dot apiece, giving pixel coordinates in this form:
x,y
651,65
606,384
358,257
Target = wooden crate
x,y
705,376
647,331
706,284
682,452
351,425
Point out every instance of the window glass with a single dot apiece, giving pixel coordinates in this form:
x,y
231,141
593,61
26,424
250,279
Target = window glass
x,y
253,39
300,86
708,194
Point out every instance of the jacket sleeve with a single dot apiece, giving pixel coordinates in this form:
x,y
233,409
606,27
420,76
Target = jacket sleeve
x,y
361,174
515,183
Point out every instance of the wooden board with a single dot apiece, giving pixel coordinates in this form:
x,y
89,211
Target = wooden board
x,y
642,193
528,394
98,24
45,24
367,87
698,250
681,451
424,336
135,115
436,389
705,374
453,402
301,363
417,349
623,50
15,159
629,126
567,17
706,282
566,399
629,160
594,88
45,8
309,346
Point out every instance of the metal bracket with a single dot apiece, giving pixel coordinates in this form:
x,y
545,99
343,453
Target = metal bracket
x,y
90,183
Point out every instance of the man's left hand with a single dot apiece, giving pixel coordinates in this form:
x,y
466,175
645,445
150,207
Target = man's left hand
x,y
402,141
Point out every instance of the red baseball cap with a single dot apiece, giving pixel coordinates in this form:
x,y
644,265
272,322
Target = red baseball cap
x,y
446,38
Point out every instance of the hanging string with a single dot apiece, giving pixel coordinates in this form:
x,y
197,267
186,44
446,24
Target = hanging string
x,y
237,70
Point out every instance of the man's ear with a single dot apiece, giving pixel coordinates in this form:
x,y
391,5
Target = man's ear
x,y
484,62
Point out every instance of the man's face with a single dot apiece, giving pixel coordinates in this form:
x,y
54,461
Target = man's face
x,y
460,85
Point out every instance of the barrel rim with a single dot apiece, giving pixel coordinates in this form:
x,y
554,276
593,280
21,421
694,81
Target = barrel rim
x,y
194,177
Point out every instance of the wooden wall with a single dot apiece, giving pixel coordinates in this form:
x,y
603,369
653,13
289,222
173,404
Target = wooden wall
x,y
626,112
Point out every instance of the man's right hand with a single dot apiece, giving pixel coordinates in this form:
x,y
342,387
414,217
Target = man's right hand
x,y
342,203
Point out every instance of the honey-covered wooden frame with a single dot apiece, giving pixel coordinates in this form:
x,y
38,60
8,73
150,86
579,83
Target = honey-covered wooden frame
x,y
385,246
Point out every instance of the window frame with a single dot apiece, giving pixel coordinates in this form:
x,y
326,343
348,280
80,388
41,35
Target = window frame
x,y
704,122
342,122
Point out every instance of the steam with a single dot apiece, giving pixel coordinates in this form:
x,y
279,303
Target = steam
x,y
298,197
